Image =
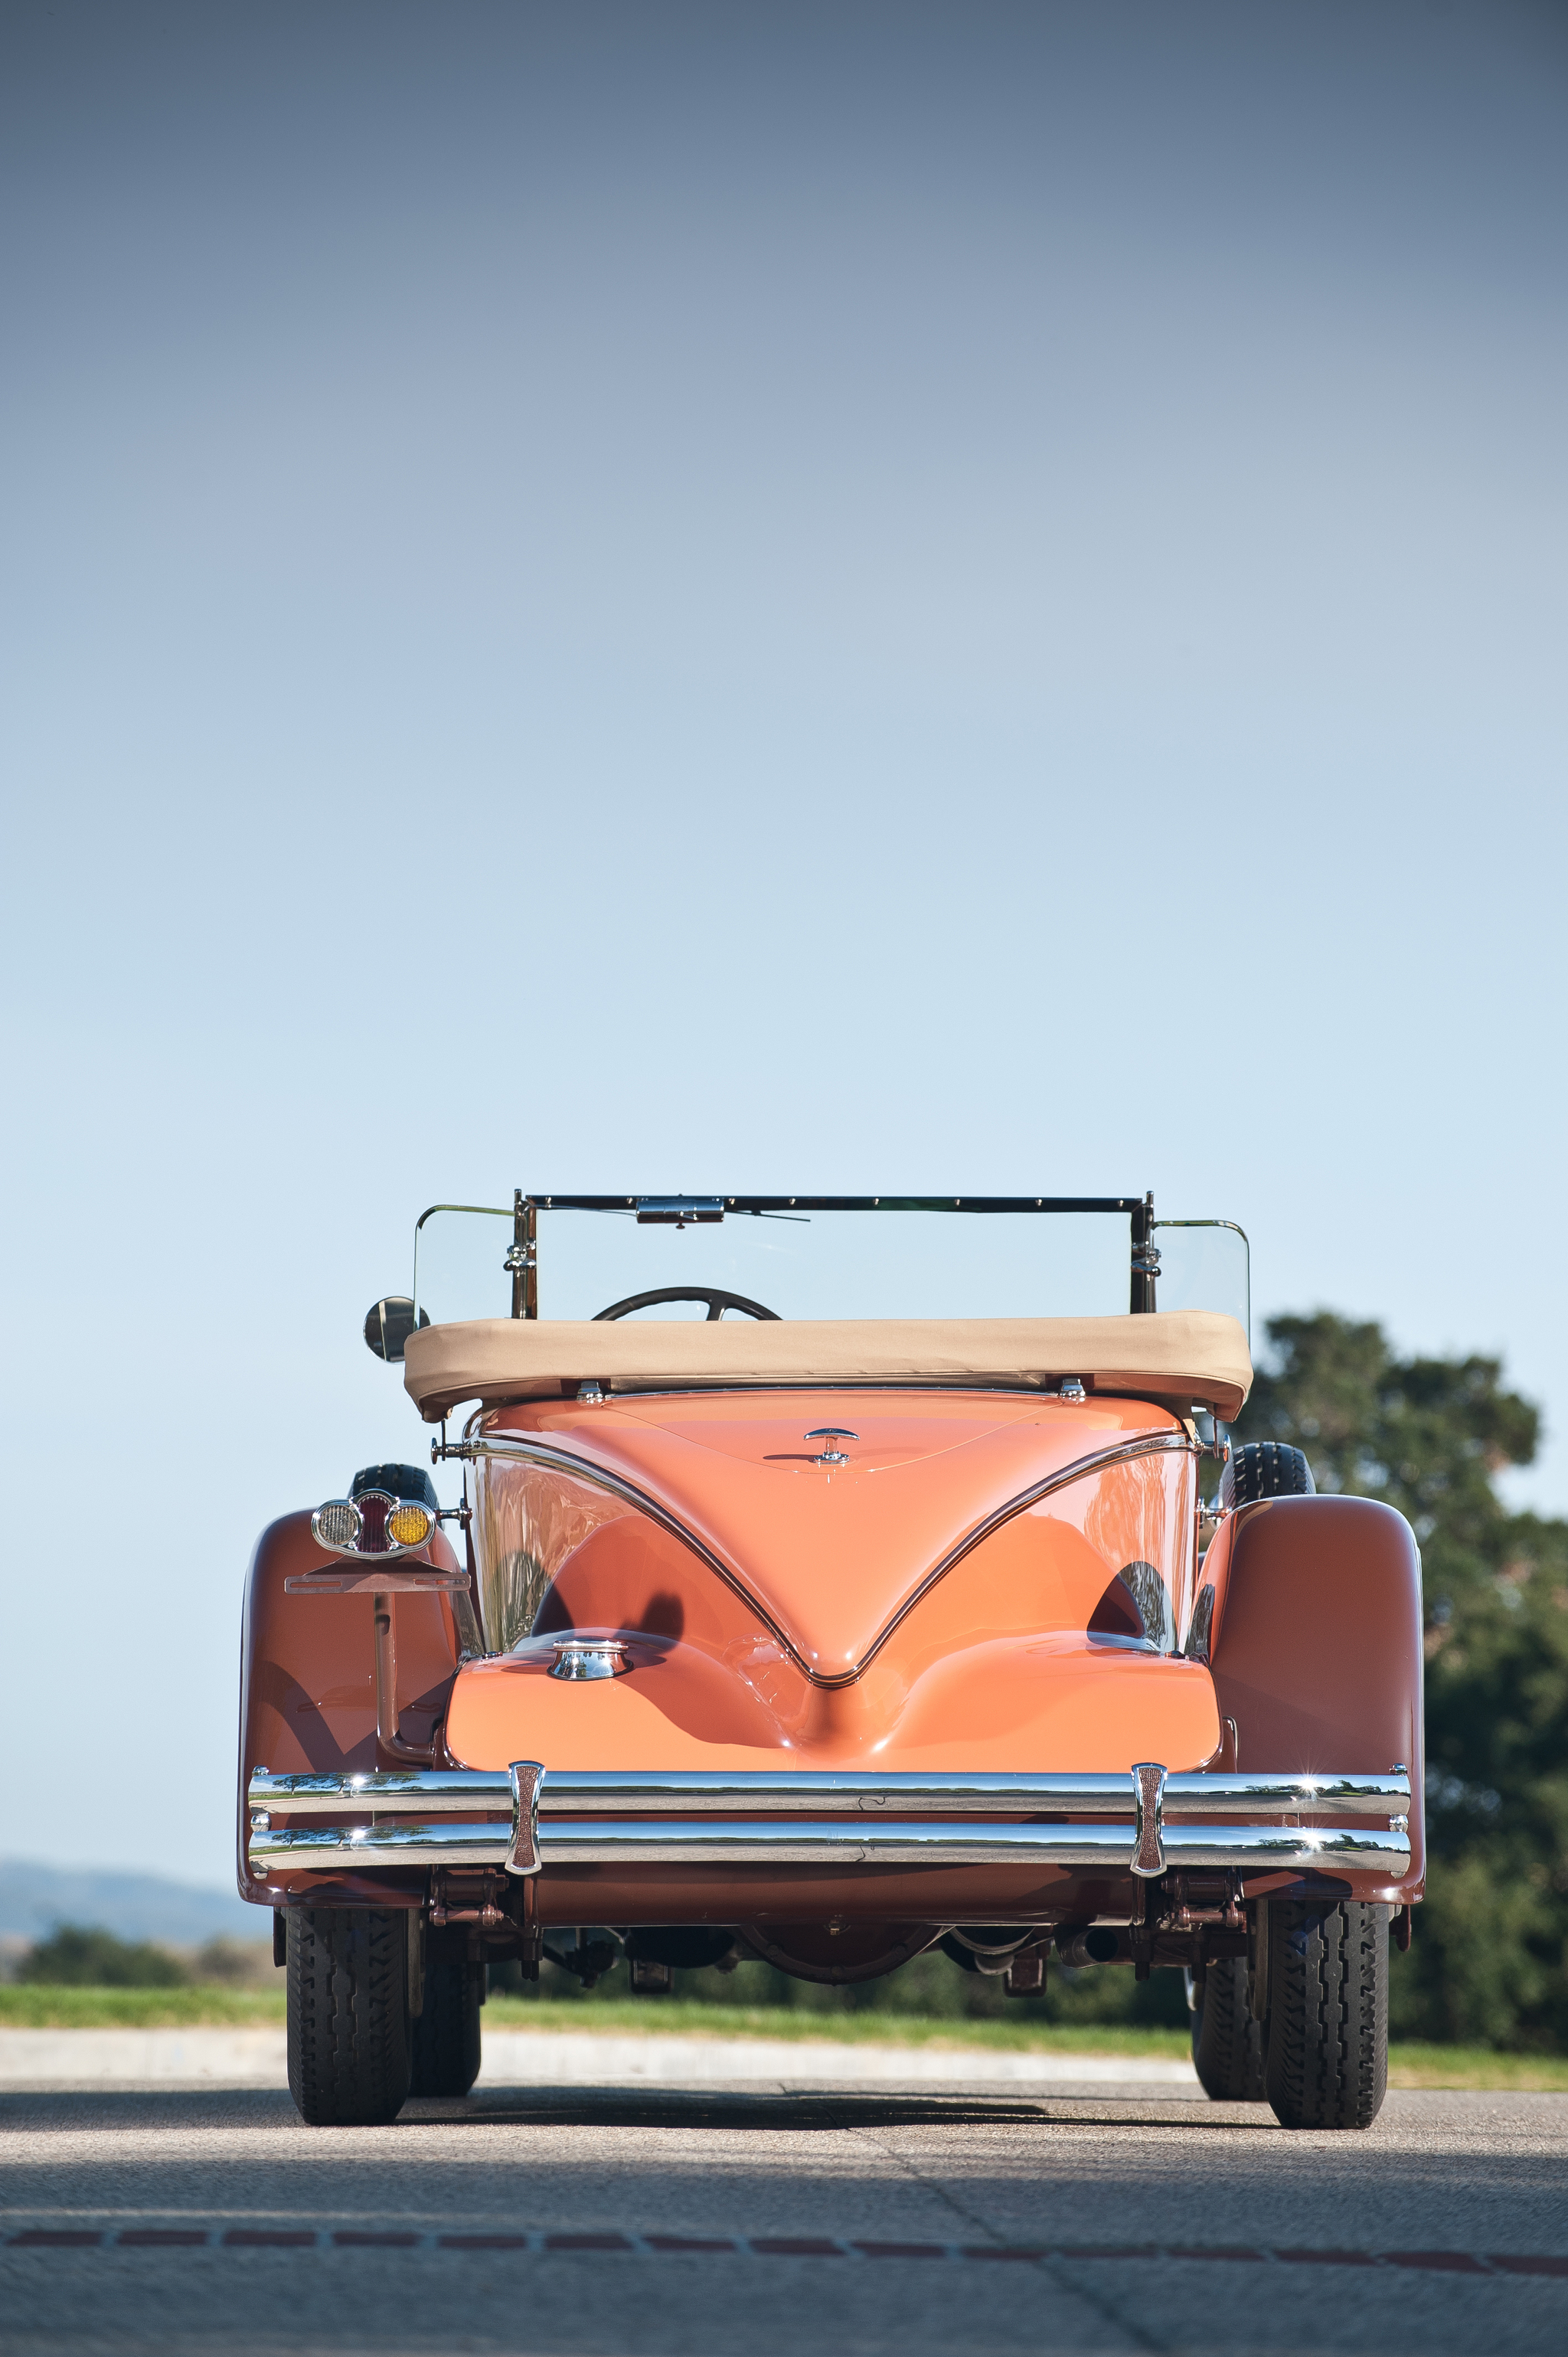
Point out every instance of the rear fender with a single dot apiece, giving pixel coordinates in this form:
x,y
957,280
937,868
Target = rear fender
x,y
307,1691
1314,1644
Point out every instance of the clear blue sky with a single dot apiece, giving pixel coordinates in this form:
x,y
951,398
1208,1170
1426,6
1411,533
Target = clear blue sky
x,y
816,596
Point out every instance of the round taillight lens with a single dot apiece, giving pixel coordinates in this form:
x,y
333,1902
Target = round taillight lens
x,y
409,1525
337,1525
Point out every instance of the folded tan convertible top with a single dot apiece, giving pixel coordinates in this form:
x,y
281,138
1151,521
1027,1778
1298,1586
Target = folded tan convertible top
x,y
1172,1354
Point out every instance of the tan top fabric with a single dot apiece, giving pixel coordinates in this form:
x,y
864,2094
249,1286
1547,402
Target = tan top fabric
x,y
1179,1355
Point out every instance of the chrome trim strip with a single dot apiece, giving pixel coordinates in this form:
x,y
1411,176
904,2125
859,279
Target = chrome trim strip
x,y
1154,1444
650,1842
584,1469
517,1446
821,1792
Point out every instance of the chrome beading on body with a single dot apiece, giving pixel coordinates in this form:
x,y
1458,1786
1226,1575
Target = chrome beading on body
x,y
525,1448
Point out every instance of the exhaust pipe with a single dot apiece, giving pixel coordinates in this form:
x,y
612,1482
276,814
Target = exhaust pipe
x,y
987,1947
1078,1944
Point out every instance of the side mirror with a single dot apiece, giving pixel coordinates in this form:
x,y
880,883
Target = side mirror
x,y
389,1323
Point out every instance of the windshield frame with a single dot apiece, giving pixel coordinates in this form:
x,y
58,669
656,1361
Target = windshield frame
x,y
679,1211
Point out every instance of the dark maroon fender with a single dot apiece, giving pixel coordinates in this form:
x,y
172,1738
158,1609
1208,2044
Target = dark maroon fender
x,y
1316,1646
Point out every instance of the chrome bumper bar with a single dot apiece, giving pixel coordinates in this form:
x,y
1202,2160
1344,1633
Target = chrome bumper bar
x,y
530,1818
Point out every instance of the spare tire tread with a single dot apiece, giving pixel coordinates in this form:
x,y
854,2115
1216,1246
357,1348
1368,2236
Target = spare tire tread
x,y
1264,1468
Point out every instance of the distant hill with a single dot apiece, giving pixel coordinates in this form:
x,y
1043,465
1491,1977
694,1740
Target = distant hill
x,y
34,1897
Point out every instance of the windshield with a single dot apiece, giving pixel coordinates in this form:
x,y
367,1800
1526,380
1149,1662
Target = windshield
x,y
823,1257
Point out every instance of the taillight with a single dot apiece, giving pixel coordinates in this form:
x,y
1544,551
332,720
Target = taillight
x,y
372,1523
409,1525
374,1507
337,1525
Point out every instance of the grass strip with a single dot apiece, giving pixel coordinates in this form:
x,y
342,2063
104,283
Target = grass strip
x,y
34,2006
37,2005
664,2018
1414,2065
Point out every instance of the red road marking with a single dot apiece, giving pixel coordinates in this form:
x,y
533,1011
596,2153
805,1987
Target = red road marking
x,y
1113,2251
481,2242
1451,2263
802,2246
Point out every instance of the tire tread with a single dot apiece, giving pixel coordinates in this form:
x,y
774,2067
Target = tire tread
x,y
446,2032
1328,2063
1227,2041
348,2058
1264,1468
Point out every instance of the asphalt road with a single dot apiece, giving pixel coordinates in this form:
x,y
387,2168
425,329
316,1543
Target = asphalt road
x,y
608,2220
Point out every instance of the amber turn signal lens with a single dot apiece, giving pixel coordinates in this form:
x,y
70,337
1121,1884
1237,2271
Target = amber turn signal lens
x,y
409,1526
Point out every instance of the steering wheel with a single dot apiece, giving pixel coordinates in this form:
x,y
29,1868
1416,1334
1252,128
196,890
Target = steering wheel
x,y
718,1301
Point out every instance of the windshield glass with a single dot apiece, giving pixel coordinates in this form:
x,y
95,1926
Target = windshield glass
x,y
880,1259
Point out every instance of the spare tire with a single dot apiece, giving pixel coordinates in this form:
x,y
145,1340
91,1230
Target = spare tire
x,y
1265,1469
410,1482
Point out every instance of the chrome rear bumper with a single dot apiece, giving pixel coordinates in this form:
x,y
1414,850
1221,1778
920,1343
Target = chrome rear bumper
x,y
531,1818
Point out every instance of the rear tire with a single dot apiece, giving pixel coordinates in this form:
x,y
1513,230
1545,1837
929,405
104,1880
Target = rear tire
x,y
1227,2041
445,2032
1327,2064
349,2061
1264,1468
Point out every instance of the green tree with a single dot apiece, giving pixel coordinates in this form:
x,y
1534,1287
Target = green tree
x,y
84,1956
1430,1435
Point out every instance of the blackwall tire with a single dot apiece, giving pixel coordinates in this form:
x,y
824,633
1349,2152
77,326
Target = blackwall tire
x,y
446,2031
1264,1468
349,2059
1227,2042
1327,2059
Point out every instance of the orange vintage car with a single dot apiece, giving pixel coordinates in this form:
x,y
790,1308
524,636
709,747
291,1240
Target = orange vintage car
x,y
842,1588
